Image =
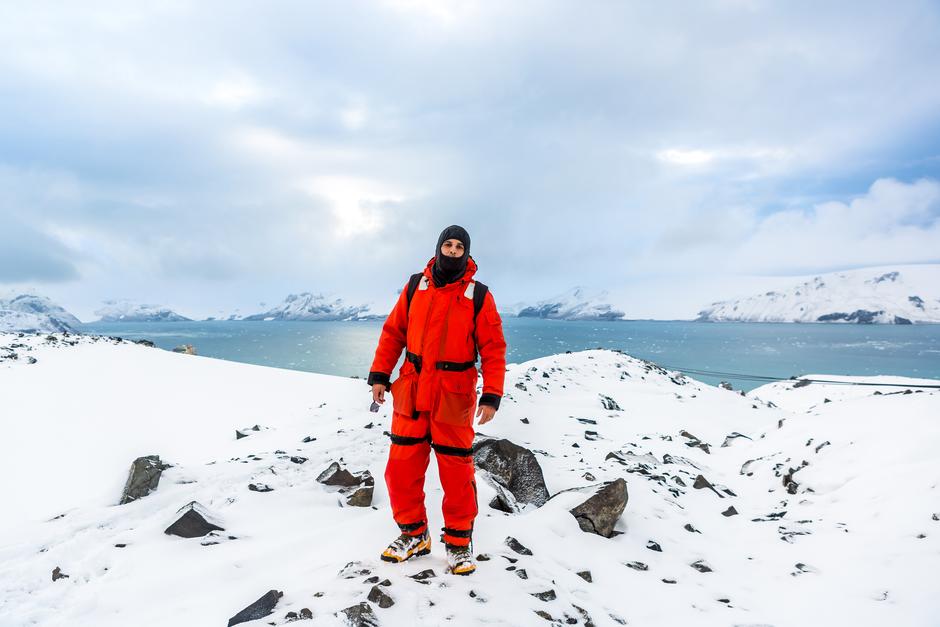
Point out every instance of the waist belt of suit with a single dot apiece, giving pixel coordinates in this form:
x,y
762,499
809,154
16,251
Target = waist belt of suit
x,y
456,366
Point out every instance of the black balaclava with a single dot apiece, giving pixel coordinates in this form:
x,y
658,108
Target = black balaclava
x,y
448,269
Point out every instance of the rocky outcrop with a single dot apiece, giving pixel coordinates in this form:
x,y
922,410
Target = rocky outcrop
x,y
259,609
144,478
357,488
194,522
514,472
600,513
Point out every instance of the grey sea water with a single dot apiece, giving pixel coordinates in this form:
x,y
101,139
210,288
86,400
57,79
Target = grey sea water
x,y
779,350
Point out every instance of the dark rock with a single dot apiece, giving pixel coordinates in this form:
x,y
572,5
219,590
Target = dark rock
x,y
309,438
336,475
483,557
733,436
701,566
58,574
522,574
545,615
688,527
609,403
360,615
585,617
513,468
193,523
372,579
548,595
669,581
259,609
362,497
424,575
144,478
730,512
147,343
694,441
380,598
654,546
586,575
524,421
260,487
297,459
244,433
601,511
516,546
353,570
305,613
637,565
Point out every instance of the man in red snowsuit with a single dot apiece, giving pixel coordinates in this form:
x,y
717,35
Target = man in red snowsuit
x,y
435,394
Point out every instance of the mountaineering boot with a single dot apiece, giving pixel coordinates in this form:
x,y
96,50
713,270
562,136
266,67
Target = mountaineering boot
x,y
405,547
460,559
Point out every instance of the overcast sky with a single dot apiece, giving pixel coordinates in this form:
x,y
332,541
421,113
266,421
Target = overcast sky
x,y
216,155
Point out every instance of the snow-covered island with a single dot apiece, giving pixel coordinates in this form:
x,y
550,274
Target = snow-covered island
x,y
575,304
128,311
308,306
887,295
630,495
34,314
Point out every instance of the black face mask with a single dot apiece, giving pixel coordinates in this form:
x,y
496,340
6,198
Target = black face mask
x,y
448,269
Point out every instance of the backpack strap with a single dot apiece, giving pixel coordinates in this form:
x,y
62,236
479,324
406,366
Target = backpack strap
x,y
479,294
412,286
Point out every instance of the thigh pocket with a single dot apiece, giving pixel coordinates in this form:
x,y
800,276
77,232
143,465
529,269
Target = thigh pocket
x,y
404,390
457,400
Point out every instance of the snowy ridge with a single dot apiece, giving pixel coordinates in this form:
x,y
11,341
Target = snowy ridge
x,y
34,314
837,522
888,295
307,306
575,304
128,311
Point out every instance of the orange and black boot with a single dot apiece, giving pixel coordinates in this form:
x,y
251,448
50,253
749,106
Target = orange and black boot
x,y
460,559
405,547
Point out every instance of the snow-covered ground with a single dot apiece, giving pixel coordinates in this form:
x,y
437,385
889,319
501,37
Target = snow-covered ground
x,y
853,538
904,294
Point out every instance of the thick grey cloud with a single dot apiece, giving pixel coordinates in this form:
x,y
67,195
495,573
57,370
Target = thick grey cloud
x,y
259,149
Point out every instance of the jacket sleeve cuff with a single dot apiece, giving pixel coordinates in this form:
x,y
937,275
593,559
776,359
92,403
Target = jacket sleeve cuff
x,y
379,377
490,399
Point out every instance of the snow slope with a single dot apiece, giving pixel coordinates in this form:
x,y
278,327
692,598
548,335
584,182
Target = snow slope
x,y
575,304
856,543
34,314
307,306
127,311
888,294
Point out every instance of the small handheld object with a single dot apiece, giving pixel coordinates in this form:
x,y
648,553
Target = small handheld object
x,y
374,407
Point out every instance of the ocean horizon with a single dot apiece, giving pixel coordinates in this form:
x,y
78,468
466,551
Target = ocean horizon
x,y
780,350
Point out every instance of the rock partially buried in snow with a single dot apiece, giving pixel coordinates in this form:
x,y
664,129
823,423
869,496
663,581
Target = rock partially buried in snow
x,y
517,546
600,513
259,609
358,488
144,478
380,598
515,472
360,615
195,522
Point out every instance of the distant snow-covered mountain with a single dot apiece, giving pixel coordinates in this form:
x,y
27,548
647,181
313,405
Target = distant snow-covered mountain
x,y
887,295
127,311
575,304
35,314
307,306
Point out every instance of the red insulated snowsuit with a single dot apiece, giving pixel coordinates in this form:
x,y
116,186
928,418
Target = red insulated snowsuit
x,y
434,397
